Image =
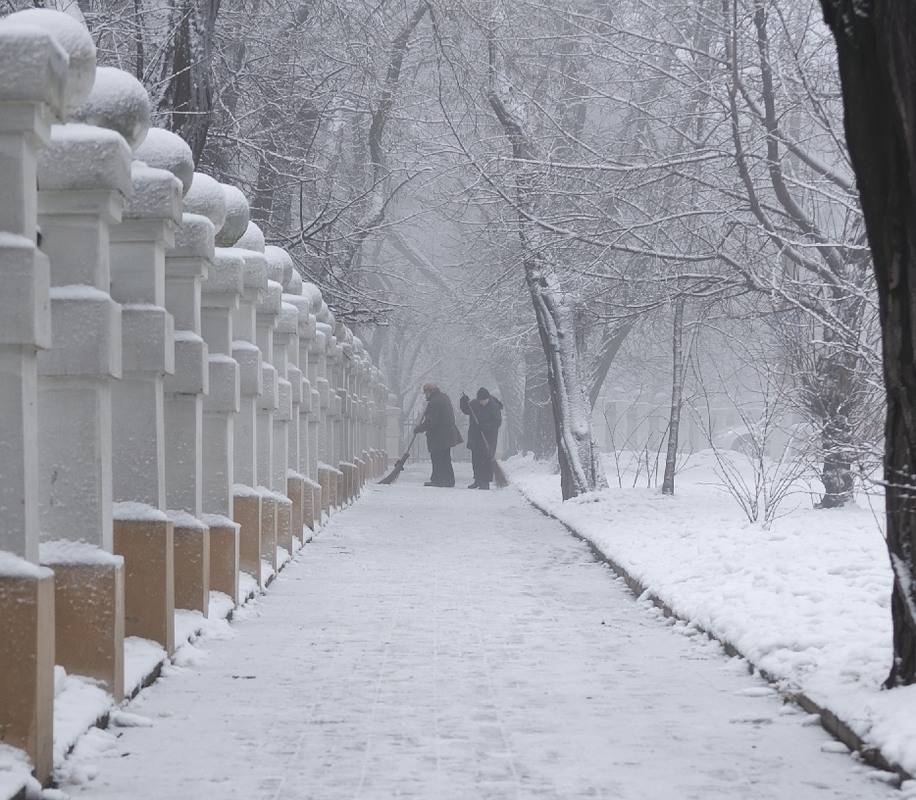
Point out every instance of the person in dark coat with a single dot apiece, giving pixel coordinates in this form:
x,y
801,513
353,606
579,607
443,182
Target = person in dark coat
x,y
442,434
486,417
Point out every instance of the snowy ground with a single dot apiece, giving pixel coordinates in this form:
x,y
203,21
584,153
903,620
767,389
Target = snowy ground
x,y
806,599
444,644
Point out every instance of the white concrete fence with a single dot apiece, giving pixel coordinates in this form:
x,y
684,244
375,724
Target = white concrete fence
x,y
177,408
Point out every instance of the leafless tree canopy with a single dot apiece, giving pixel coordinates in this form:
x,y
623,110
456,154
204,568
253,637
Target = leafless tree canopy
x,y
546,197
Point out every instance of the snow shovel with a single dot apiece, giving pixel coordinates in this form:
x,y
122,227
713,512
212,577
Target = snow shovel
x,y
392,476
499,477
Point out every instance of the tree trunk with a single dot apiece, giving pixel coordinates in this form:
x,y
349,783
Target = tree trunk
x,y
610,346
580,463
577,452
837,397
189,94
875,42
262,200
509,432
539,438
677,396
836,474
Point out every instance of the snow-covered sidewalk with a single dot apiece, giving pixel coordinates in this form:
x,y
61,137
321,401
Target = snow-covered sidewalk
x,y
454,645
806,598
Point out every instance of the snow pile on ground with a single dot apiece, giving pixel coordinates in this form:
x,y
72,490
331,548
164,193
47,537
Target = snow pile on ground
x,y
806,599
15,772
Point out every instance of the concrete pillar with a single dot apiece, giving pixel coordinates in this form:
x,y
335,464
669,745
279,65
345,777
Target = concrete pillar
x,y
357,384
27,648
326,472
361,417
143,532
247,511
372,418
266,310
187,265
33,96
145,538
84,179
289,479
380,422
336,408
393,428
84,176
288,343
26,112
308,409
284,335
220,294
347,458
369,392
266,313
191,545
138,246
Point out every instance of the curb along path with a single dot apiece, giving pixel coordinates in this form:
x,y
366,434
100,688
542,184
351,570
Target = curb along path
x,y
450,645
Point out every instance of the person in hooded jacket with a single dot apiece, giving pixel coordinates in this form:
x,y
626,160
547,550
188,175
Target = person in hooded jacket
x,y
486,416
442,434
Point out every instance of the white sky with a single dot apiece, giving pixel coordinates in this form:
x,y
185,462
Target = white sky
x,y
437,644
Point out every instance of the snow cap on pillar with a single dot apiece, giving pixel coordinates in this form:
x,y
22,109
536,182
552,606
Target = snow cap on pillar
x,y
279,265
295,283
271,300
343,333
326,316
34,66
194,238
163,149
74,38
301,304
119,102
225,276
237,216
255,273
252,239
84,156
206,198
313,293
289,319
156,194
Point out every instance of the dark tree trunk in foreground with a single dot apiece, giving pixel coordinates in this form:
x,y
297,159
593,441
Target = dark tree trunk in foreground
x,y
875,45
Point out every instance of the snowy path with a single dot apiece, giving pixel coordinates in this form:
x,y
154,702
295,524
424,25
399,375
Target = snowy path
x,y
453,645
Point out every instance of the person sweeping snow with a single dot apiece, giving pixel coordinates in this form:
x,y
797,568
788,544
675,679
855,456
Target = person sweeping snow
x,y
486,416
442,435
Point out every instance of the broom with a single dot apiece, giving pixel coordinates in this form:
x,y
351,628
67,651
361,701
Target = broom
x,y
392,476
499,477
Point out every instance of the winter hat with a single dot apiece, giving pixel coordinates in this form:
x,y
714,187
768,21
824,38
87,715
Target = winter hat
x,y
482,394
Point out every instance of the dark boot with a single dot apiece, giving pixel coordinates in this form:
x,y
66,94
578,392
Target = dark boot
x,y
484,486
474,485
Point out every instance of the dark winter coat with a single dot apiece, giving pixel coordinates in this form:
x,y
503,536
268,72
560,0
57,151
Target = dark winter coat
x,y
438,423
488,419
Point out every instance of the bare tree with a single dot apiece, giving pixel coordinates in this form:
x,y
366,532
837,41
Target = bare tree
x,y
580,465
